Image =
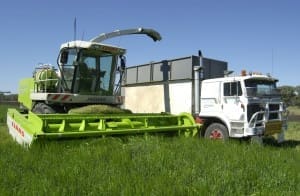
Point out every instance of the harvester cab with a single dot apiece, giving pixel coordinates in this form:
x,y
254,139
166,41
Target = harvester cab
x,y
86,75
88,68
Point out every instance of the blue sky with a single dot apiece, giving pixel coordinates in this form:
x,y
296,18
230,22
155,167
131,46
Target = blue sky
x,y
256,35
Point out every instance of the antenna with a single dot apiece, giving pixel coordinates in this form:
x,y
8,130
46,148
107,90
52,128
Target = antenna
x,y
272,62
75,28
83,34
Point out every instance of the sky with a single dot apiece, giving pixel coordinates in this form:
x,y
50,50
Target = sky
x,y
256,35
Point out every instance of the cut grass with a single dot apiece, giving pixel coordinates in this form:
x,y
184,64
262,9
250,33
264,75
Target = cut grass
x,y
99,109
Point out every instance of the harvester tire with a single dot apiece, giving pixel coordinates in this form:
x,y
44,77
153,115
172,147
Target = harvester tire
x,y
216,131
42,108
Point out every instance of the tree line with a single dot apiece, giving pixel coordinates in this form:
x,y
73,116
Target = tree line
x,y
8,98
290,95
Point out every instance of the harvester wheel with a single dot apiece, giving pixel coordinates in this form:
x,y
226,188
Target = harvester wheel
x,y
42,108
216,131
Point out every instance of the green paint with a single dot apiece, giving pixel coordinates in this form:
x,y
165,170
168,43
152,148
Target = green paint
x,y
91,125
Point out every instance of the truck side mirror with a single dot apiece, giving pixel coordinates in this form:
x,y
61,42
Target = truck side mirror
x,y
64,57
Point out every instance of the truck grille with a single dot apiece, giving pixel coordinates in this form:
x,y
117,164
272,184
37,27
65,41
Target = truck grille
x,y
252,109
274,111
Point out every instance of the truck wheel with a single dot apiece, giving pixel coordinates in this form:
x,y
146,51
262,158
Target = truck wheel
x,y
42,108
216,131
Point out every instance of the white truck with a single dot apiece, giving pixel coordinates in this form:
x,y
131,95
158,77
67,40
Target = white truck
x,y
247,106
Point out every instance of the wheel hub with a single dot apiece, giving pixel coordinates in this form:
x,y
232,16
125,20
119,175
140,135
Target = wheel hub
x,y
216,134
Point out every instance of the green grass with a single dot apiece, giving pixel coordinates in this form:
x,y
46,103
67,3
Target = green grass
x,y
294,110
147,166
293,132
3,111
152,165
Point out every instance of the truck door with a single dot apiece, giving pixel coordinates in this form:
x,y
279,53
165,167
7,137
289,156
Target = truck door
x,y
231,103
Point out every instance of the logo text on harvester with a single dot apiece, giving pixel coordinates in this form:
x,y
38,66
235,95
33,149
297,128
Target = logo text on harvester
x,y
17,128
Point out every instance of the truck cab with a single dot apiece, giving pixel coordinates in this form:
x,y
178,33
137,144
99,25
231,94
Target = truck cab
x,y
242,106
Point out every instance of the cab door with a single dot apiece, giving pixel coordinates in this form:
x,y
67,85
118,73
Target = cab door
x,y
231,101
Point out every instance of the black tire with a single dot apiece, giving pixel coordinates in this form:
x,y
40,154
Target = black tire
x,y
42,108
216,131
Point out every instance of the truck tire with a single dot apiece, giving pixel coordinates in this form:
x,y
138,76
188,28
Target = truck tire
x,y
216,131
42,108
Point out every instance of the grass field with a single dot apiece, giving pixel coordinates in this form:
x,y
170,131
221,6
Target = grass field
x,y
294,113
3,110
294,110
152,165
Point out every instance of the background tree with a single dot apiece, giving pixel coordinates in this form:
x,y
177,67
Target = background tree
x,y
297,97
288,94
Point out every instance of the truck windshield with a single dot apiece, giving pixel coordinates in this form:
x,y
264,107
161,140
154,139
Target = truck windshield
x,y
261,87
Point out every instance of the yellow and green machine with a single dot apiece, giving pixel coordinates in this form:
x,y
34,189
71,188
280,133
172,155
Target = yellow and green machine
x,y
89,74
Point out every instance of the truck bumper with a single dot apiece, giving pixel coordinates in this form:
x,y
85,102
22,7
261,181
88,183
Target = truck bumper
x,y
270,128
251,131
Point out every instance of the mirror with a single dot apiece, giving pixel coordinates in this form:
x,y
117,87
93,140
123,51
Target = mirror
x,y
123,62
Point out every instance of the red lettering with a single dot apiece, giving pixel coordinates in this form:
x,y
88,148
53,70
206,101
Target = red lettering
x,y
18,129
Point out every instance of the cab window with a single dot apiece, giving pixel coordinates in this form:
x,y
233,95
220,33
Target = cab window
x,y
232,89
